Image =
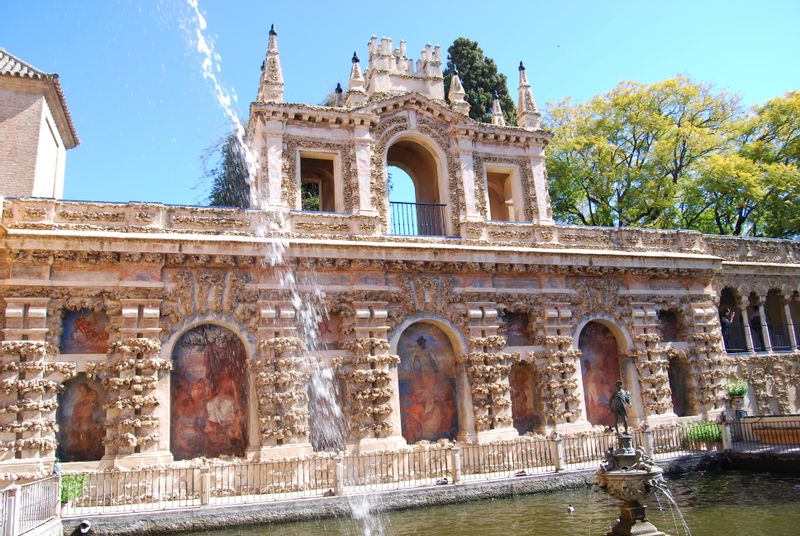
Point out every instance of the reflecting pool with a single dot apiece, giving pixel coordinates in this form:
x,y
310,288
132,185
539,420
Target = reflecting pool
x,y
714,504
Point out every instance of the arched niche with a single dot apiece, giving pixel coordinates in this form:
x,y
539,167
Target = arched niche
x,y
602,344
680,384
428,384
209,394
81,419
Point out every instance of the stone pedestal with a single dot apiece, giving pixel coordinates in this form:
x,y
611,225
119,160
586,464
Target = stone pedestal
x,y
633,521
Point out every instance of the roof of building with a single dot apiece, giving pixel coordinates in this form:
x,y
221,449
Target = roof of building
x,y
11,66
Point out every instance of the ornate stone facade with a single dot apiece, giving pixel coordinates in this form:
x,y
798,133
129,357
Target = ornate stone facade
x,y
137,277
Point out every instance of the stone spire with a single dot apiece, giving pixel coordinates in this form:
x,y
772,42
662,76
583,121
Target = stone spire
x,y
356,94
271,87
528,115
497,111
337,95
456,95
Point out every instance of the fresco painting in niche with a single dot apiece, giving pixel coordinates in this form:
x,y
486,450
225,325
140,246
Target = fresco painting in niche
x,y
329,330
516,325
600,370
84,332
523,401
427,384
209,394
81,421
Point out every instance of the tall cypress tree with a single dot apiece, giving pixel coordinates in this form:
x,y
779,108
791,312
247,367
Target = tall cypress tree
x,y
229,187
480,79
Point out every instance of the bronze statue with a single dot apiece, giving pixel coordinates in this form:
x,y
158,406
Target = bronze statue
x,y
620,400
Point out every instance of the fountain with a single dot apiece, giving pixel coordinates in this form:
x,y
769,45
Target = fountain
x,y
629,475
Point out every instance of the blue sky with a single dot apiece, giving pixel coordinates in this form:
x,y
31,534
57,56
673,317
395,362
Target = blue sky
x,y
144,113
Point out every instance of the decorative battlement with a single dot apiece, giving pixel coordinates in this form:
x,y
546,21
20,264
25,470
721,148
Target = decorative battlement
x,y
392,72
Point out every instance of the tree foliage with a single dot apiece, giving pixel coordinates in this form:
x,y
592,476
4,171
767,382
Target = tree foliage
x,y
229,186
677,154
480,79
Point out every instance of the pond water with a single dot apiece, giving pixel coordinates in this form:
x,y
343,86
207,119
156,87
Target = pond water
x,y
714,504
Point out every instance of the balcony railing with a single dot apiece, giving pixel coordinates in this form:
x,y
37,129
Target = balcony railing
x,y
735,341
418,219
779,337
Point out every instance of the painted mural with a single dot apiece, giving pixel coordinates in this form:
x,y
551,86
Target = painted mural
x,y
329,330
81,421
523,399
600,369
427,384
209,394
84,332
517,333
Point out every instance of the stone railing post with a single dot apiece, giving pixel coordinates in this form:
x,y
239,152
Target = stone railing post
x,y
205,487
650,442
338,476
12,511
727,439
455,462
557,452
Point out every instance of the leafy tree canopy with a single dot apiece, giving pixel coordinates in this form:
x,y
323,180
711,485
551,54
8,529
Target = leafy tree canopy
x,y
677,154
480,79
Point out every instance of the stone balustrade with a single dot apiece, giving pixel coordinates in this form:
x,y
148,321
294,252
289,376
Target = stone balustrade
x,y
47,214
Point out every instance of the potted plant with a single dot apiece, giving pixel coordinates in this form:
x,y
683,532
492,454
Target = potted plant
x,y
736,389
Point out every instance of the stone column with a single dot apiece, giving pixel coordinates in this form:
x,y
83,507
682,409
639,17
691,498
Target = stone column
x,y
558,366
137,385
712,366
469,181
787,311
764,327
279,380
363,171
541,209
748,335
488,369
369,376
652,365
31,379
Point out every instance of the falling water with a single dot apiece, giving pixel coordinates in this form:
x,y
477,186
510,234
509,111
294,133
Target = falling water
x,y
307,301
662,487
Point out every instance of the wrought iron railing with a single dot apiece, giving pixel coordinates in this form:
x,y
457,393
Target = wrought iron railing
x,y
735,340
418,219
779,337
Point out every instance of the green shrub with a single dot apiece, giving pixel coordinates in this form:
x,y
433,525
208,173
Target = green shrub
x,y
736,387
707,431
71,487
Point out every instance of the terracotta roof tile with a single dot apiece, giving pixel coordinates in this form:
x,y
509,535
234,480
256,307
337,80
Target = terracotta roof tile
x,y
10,65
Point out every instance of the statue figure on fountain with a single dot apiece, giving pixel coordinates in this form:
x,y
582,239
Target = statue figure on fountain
x,y
619,403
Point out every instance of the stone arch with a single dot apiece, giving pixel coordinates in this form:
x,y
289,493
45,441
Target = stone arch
x,y
81,419
209,392
777,322
732,325
426,163
604,343
432,393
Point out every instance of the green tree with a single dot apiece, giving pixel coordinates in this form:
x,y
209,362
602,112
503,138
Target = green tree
x,y
480,79
624,158
755,189
229,186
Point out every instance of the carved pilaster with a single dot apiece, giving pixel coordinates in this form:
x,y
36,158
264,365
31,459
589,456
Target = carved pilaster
x,y
280,380
488,368
369,377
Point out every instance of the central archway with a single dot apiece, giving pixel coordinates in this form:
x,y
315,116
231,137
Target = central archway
x,y
427,384
209,394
